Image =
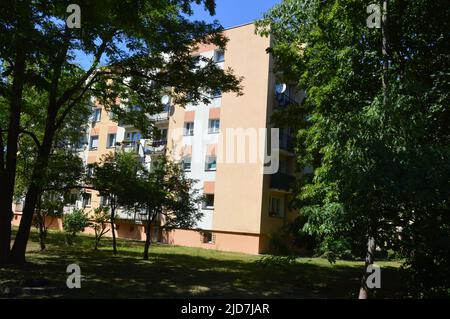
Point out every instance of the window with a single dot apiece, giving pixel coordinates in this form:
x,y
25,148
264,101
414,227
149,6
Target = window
x,y
111,140
163,133
135,108
209,201
79,145
207,237
219,56
71,198
104,201
90,170
276,207
210,164
93,145
133,137
189,128
87,200
110,115
97,115
187,163
196,62
217,93
213,126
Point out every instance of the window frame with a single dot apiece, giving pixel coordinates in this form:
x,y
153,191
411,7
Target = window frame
x,y
280,211
84,196
208,161
219,53
92,138
184,162
205,203
212,128
186,131
97,116
108,144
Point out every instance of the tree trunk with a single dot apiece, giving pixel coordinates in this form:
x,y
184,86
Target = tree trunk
x,y
41,224
364,291
148,235
33,193
113,210
8,173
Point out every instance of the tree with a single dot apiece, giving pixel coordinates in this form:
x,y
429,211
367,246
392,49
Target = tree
x,y
165,194
100,219
115,177
73,223
138,51
374,126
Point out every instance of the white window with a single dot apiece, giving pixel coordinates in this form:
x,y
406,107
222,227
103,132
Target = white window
x,y
219,56
210,164
213,126
97,115
189,128
87,200
111,140
276,207
93,145
187,163
90,170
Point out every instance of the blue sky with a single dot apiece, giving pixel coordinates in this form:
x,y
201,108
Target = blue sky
x,y
235,12
229,13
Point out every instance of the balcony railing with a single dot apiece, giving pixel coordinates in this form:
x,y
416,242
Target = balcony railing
x,y
282,181
155,147
131,146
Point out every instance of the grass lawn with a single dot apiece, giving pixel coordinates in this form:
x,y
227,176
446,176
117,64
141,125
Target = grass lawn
x,y
181,272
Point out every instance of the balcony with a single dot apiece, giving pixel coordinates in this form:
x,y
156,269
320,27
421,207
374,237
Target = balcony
x,y
155,147
161,117
130,146
282,181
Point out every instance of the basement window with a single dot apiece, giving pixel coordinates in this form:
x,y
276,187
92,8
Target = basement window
x,y
207,237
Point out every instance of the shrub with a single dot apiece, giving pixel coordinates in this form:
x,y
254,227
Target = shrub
x,y
74,223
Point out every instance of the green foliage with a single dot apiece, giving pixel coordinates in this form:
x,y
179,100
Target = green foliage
x,y
380,153
276,261
73,223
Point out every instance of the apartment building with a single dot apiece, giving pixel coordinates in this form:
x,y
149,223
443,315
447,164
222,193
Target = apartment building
x,y
220,146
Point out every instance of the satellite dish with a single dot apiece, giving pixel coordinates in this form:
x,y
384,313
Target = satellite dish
x,y
280,88
165,100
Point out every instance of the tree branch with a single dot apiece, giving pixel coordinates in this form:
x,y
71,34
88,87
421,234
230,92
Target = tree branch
x,y
33,136
71,91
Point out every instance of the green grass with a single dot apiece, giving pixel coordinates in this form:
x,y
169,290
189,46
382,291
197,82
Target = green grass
x,y
182,272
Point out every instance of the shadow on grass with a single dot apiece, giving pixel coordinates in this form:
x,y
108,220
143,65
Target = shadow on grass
x,y
172,272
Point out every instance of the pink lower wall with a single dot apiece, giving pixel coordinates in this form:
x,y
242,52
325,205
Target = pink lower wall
x,y
223,241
